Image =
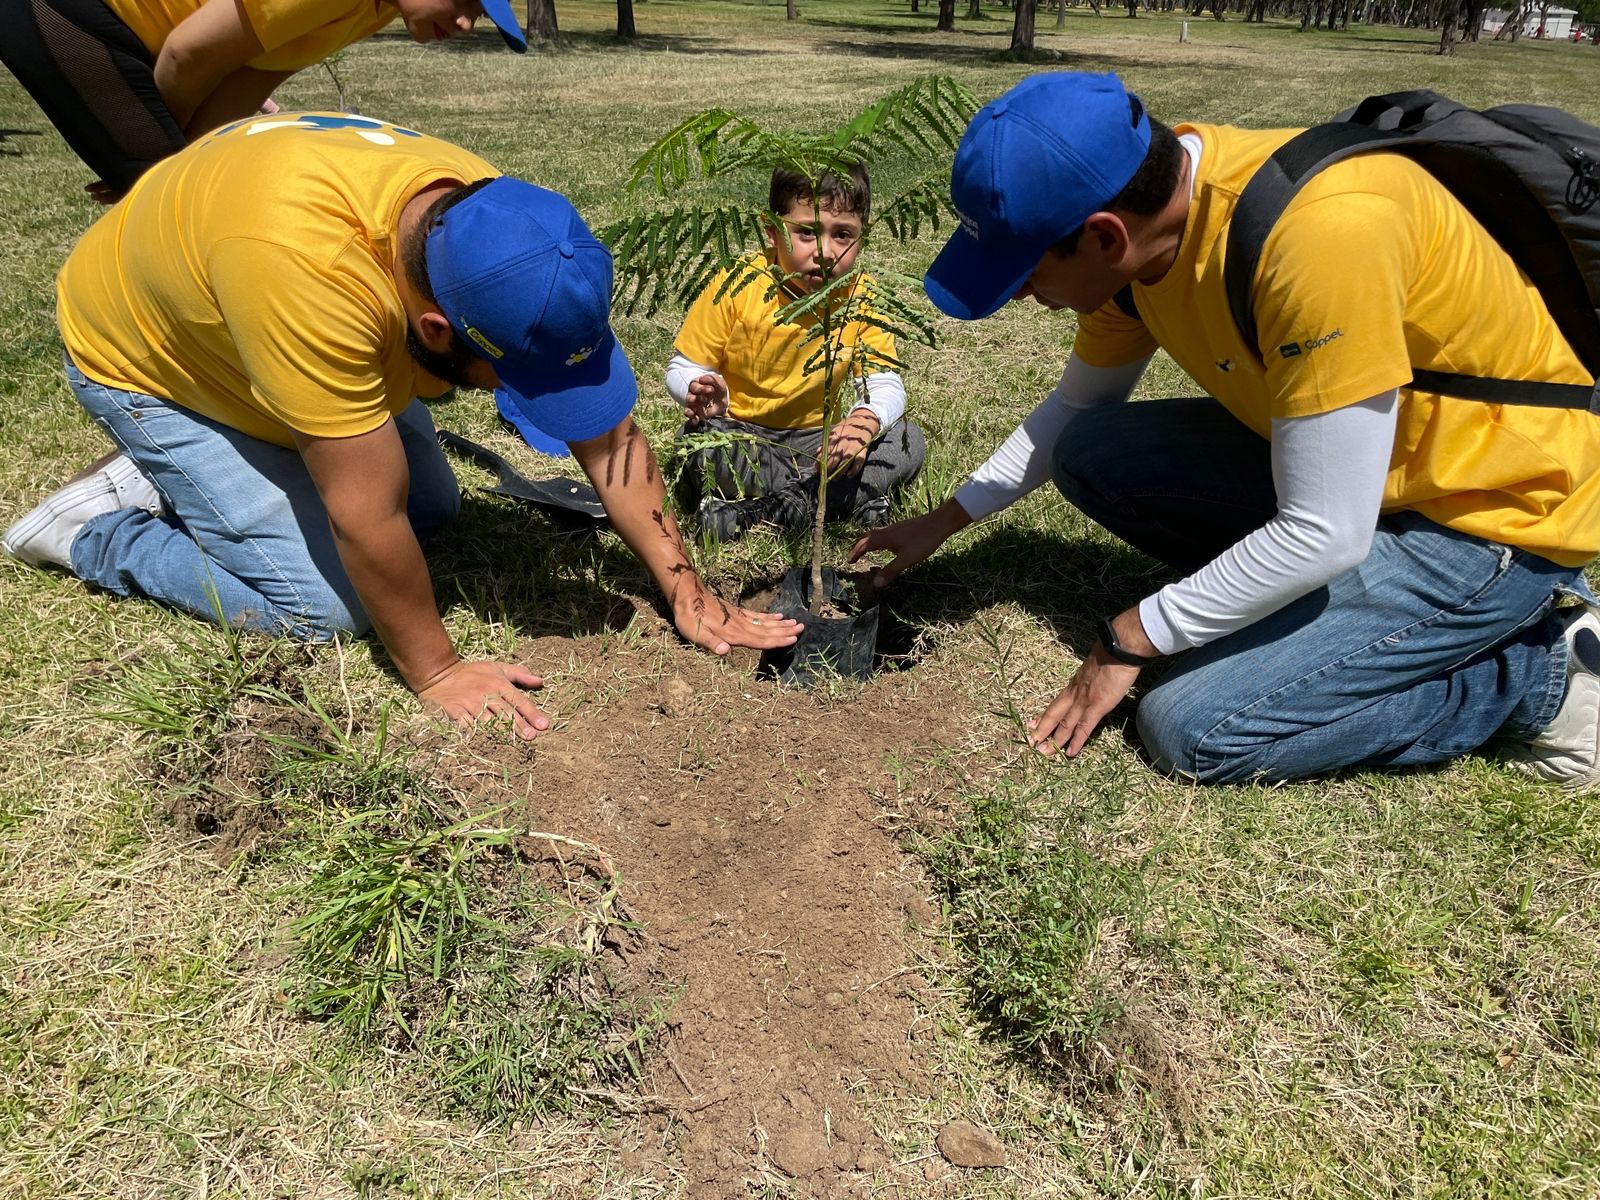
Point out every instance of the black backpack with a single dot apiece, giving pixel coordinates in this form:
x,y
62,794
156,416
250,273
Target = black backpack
x,y
1529,174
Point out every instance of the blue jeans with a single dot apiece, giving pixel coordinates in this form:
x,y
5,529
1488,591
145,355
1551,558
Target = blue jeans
x,y
245,539
1434,644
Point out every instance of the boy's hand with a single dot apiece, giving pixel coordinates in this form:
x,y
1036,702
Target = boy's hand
x,y
847,444
708,399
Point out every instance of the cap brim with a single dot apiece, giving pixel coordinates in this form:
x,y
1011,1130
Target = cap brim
x,y
499,11
969,281
577,403
513,415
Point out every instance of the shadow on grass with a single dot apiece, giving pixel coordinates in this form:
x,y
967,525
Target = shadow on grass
x,y
588,40
7,134
1069,583
511,566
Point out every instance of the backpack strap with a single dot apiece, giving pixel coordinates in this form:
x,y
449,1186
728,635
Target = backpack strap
x,y
1276,183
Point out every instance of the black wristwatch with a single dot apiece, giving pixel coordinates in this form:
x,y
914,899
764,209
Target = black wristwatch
x,y
1108,639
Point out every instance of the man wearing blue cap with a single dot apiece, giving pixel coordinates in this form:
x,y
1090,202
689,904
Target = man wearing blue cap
x,y
253,325
1369,571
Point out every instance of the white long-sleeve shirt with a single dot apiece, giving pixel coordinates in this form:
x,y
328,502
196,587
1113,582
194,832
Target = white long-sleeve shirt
x,y
1328,469
885,393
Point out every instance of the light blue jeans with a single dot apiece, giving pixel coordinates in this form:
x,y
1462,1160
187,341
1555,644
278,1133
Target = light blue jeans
x,y
245,538
1433,645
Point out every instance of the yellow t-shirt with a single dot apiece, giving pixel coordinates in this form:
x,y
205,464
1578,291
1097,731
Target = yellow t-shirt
x,y
251,276
1374,269
294,34
764,362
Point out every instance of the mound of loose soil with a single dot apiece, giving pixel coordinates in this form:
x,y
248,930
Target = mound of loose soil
x,y
745,821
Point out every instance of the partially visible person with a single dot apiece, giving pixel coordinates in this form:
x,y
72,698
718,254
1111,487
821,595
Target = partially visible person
x,y
257,353
128,82
736,370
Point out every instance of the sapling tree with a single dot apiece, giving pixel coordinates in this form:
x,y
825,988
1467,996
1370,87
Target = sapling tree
x,y
907,136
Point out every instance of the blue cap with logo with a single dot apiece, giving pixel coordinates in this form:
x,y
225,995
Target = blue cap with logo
x,y
1030,168
499,11
522,279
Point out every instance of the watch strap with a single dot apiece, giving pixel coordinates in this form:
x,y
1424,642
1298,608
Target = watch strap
x,y
1108,639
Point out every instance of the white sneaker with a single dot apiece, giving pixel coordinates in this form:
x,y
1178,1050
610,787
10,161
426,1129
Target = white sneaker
x,y
45,535
1568,750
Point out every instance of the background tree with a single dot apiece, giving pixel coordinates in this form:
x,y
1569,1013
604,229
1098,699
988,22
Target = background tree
x,y
626,30
1449,12
542,26
1022,28
947,16
678,252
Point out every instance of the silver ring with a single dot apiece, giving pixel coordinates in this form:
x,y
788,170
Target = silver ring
x,y
755,620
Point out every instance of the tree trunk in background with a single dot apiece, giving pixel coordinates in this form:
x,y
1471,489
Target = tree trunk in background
x,y
792,13
947,16
1133,8
542,25
916,5
1022,28
975,8
1447,28
626,29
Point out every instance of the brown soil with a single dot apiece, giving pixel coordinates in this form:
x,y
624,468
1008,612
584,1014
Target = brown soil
x,y
222,802
748,827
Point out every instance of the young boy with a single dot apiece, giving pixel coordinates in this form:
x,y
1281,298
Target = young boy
x,y
736,370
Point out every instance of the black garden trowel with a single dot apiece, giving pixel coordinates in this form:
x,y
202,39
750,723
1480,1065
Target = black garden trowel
x,y
567,501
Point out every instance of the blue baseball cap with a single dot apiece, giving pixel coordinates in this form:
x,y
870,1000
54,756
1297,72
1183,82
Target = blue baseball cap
x,y
1031,167
499,11
525,283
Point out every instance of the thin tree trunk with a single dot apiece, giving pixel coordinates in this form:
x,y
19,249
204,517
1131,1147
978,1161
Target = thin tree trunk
x,y
792,13
1061,14
975,9
626,29
947,16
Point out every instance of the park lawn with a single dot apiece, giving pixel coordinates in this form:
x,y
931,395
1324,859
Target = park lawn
x,y
1371,985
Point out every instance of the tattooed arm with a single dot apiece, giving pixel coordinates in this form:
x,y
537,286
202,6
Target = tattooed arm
x,y
623,469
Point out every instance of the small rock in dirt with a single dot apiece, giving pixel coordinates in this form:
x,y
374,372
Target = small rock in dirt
x,y
965,1145
677,696
799,1151
834,1000
920,911
934,1168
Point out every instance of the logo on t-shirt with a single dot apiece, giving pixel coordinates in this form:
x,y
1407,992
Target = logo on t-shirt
x,y
1295,349
379,133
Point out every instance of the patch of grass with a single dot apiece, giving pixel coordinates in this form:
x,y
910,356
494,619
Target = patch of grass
x,y
448,942
1027,889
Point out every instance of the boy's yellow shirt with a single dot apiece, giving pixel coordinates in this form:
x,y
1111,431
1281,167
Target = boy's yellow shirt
x,y
1375,268
251,276
294,34
763,362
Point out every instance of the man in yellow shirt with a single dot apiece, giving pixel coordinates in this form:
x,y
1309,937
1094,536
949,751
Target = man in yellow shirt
x,y
256,353
1369,572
